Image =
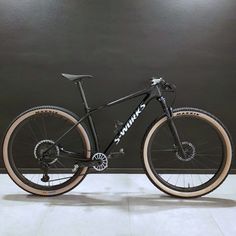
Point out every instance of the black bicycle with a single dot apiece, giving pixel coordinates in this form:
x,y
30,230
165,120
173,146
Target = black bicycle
x,y
186,153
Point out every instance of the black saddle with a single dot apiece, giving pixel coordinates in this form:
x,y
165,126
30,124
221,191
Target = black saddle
x,y
76,78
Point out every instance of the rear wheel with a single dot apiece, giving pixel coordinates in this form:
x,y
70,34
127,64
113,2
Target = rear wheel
x,y
30,135
208,153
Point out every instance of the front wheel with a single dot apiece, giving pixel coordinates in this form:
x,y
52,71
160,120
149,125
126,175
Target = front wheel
x,y
208,153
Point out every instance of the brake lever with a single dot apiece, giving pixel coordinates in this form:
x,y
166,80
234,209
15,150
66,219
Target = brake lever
x,y
169,87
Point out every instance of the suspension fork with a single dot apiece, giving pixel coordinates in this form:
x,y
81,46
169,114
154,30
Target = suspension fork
x,y
168,111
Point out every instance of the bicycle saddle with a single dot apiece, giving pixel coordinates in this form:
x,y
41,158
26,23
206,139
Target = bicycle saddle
x,y
76,78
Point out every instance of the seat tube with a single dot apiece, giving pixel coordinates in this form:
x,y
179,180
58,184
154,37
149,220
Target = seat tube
x,y
87,109
85,103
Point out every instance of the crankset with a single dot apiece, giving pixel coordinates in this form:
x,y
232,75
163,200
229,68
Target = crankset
x,y
99,161
102,161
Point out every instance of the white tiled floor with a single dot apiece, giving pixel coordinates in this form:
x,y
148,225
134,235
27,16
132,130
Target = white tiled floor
x,y
117,204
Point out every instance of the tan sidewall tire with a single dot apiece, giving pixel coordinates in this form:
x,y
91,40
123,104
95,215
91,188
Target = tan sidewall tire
x,y
215,184
6,158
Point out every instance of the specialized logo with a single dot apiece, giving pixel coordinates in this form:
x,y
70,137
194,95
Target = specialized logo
x,y
130,122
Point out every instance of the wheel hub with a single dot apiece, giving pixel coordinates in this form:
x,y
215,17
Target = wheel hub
x,y
189,151
41,147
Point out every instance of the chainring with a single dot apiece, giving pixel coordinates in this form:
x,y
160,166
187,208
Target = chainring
x,y
103,161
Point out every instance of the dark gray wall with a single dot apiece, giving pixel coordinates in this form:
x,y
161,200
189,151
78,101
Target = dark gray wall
x,y
123,43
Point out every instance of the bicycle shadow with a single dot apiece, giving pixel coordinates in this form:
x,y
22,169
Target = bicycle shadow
x,y
122,200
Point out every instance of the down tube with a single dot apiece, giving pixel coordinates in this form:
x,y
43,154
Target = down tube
x,y
121,133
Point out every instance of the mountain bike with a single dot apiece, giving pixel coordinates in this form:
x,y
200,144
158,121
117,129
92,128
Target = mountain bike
x,y
186,152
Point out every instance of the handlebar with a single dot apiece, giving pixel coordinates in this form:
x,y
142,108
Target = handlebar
x,y
163,84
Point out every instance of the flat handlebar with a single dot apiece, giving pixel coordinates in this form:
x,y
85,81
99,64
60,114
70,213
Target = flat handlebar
x,y
162,84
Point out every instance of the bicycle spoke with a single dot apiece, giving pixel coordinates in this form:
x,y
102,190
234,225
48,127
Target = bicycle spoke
x,y
164,150
32,132
64,178
44,128
207,154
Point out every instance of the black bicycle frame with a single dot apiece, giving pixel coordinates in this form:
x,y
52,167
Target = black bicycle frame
x,y
148,93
